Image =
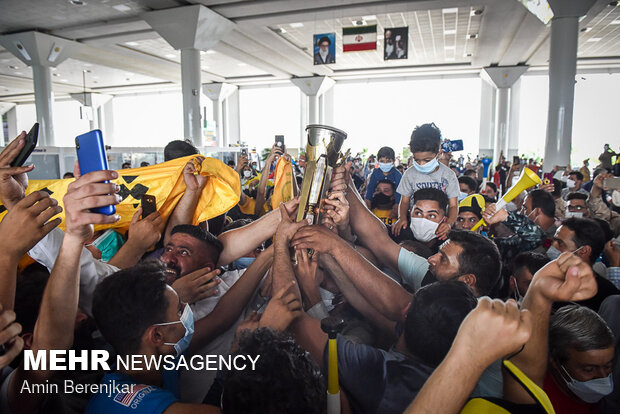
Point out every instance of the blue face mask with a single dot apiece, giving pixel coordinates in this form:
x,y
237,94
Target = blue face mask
x,y
187,319
427,168
590,391
462,196
243,263
386,166
553,253
109,243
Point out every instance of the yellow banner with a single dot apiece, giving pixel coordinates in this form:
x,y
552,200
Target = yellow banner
x,y
165,182
283,183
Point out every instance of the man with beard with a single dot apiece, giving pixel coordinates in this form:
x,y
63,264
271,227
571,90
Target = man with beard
x,y
191,257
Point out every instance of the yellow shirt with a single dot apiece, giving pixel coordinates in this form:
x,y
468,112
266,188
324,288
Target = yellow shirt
x,y
384,215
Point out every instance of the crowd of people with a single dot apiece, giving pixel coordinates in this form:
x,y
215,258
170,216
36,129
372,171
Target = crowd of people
x,y
433,316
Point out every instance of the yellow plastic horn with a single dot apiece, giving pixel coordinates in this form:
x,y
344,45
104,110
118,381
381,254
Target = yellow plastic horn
x,y
527,180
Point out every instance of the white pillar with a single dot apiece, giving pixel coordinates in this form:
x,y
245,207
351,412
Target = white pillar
x,y
44,100
487,119
190,87
313,109
11,120
562,70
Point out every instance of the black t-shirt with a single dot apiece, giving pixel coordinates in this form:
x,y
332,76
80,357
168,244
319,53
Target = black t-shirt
x,y
377,381
605,289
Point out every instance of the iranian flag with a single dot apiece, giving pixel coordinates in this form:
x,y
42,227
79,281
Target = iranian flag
x,y
359,38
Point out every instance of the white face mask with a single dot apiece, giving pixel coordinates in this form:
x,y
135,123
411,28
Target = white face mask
x,y
575,214
590,391
553,253
570,183
615,198
247,174
423,229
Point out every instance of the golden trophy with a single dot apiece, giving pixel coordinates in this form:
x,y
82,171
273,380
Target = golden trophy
x,y
322,155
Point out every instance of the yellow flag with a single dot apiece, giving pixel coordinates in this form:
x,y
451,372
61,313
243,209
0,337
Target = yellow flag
x,y
165,182
283,183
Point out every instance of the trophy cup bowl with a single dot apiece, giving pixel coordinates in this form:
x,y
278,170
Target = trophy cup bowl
x,y
322,155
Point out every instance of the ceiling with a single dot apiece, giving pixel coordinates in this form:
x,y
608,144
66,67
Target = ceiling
x,y
272,41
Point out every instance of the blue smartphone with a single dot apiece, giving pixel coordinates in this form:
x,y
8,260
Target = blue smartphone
x,y
91,157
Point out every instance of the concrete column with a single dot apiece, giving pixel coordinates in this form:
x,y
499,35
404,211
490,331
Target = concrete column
x,y
41,52
562,70
313,87
44,99
11,120
303,120
487,119
94,101
190,87
218,93
234,124
4,108
190,29
328,107
502,77
512,147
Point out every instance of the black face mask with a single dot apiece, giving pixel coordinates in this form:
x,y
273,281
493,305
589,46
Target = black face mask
x,y
382,200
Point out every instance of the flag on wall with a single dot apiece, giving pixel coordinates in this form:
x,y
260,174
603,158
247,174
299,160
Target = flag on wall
x,y
359,38
164,181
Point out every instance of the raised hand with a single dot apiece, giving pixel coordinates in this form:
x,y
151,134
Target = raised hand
x,y
28,222
282,309
9,337
341,176
287,227
566,279
144,233
318,238
339,211
198,285
194,181
87,192
494,329
13,180
491,216
399,226
306,270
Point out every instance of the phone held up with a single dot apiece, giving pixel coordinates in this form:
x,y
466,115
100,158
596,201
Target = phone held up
x,y
148,204
31,142
280,142
91,157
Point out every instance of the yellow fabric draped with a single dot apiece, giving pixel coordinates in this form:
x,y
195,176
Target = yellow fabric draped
x,y
165,182
283,183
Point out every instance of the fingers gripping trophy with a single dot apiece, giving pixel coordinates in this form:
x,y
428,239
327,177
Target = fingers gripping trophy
x,y
322,156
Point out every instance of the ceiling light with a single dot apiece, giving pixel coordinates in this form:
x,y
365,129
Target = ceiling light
x,y
370,17
13,67
467,55
358,22
449,32
280,30
64,80
617,21
77,2
170,56
22,50
18,73
450,10
131,43
55,52
296,25
472,36
450,47
55,74
477,12
594,39
210,52
122,8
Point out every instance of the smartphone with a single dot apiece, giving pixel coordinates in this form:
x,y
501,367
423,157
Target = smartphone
x,y
91,157
612,183
148,204
244,151
452,145
547,178
280,141
31,142
516,160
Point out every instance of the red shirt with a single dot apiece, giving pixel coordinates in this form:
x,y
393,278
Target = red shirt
x,y
562,403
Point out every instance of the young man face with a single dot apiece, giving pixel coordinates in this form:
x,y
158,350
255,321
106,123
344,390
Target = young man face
x,y
428,209
488,191
577,205
466,220
445,264
185,254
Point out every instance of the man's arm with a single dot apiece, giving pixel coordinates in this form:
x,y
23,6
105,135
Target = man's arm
x,y
388,297
56,321
238,242
262,184
566,279
184,211
491,331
